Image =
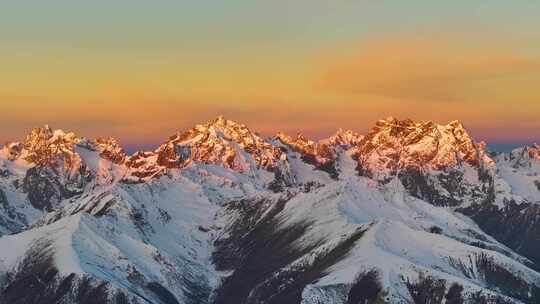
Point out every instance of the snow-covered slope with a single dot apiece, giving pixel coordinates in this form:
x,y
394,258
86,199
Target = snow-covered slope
x,y
413,212
521,169
221,142
394,145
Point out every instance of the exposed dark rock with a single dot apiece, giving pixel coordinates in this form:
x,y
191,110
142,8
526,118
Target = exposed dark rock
x,y
427,290
90,291
452,182
4,204
249,213
164,295
362,169
10,219
419,185
280,181
488,187
105,208
164,216
196,289
481,298
475,235
121,298
435,229
328,166
318,154
45,186
254,239
37,281
454,294
33,279
287,285
194,286
257,249
138,217
499,278
42,187
366,289
515,225
311,185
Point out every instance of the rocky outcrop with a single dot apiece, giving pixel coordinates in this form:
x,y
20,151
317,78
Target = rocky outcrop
x,y
38,280
13,150
533,151
343,138
110,150
216,214
43,146
46,187
517,225
440,164
10,219
258,236
220,142
54,170
394,145
322,155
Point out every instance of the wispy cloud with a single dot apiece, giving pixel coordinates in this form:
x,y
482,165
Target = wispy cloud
x,y
441,68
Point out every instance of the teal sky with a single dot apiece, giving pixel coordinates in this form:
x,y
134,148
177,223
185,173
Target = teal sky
x,y
75,64
194,24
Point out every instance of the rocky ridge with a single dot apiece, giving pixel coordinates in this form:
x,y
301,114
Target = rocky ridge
x,y
381,218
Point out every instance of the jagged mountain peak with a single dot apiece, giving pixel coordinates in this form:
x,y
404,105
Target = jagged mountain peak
x,y
391,144
407,132
199,236
220,141
299,139
320,154
410,124
395,144
345,138
533,151
43,145
223,122
223,141
47,166
111,150
46,134
219,128
456,124
524,157
12,150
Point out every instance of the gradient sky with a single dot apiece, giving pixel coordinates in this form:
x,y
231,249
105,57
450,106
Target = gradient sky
x,y
140,70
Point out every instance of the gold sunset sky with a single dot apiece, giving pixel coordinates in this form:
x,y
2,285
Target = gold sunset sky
x,y
140,70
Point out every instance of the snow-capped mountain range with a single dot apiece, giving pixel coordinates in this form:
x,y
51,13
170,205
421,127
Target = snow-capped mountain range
x,y
411,212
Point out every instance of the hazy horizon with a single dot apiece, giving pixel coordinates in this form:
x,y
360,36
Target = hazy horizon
x,y
132,147
140,70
